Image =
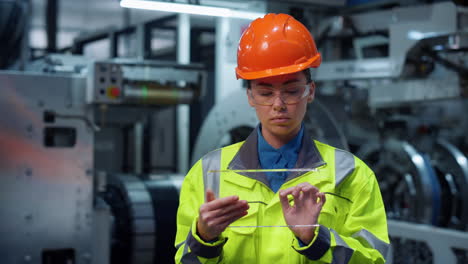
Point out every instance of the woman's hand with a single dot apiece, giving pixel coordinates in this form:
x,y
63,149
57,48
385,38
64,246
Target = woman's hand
x,y
308,202
217,214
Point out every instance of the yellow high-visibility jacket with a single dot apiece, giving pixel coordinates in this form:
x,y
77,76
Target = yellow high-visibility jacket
x,y
353,225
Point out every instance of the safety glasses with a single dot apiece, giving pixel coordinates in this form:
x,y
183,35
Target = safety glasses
x,y
289,95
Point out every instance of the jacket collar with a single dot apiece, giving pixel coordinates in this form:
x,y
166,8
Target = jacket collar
x,y
247,158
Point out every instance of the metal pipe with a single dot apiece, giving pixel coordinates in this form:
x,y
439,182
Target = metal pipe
x,y
183,111
147,95
51,24
138,141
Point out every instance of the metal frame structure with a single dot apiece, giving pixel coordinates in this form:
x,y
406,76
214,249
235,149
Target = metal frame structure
x,y
142,32
407,34
399,27
440,241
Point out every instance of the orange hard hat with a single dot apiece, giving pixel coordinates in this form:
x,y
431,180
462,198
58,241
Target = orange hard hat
x,y
273,45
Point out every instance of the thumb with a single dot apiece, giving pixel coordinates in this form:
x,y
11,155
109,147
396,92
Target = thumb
x,y
322,198
210,196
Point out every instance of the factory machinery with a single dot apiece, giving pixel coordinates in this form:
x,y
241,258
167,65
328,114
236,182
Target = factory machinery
x,y
406,87
89,148
89,153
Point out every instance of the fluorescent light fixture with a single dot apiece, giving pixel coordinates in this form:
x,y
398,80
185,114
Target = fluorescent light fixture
x,y
189,9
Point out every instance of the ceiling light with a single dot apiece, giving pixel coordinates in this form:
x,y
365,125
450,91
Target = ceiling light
x,y
189,9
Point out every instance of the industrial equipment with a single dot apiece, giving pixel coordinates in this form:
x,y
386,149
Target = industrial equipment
x,y
410,66
88,174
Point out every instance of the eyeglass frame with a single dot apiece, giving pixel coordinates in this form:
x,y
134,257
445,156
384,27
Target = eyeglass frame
x,y
304,95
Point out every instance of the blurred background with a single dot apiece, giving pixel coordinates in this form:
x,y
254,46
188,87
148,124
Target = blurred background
x,y
105,105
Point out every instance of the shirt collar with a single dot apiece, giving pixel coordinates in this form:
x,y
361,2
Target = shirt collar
x,y
288,151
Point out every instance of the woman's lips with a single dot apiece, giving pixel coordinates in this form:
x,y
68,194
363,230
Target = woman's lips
x,y
279,120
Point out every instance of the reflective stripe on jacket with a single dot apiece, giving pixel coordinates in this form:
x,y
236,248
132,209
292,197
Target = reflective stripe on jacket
x,y
353,224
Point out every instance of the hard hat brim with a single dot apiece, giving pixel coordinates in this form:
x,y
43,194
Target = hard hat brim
x,y
313,62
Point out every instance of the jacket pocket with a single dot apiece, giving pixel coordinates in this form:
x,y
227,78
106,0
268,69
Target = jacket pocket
x,y
242,243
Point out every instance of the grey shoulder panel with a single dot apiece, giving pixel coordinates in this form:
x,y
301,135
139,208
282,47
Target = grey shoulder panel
x,y
211,164
344,165
376,243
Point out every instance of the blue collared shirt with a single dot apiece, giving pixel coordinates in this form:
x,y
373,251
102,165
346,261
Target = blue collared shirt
x,y
283,158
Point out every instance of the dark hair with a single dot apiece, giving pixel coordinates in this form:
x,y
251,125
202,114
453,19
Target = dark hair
x,y
306,72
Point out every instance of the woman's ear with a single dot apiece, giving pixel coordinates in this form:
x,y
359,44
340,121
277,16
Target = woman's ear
x,y
311,95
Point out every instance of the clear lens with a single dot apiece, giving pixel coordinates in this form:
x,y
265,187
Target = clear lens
x,y
289,95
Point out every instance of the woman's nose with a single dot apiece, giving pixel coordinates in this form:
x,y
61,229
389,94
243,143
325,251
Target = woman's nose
x,y
278,103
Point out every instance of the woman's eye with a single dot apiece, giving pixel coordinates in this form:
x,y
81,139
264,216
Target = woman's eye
x,y
265,93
